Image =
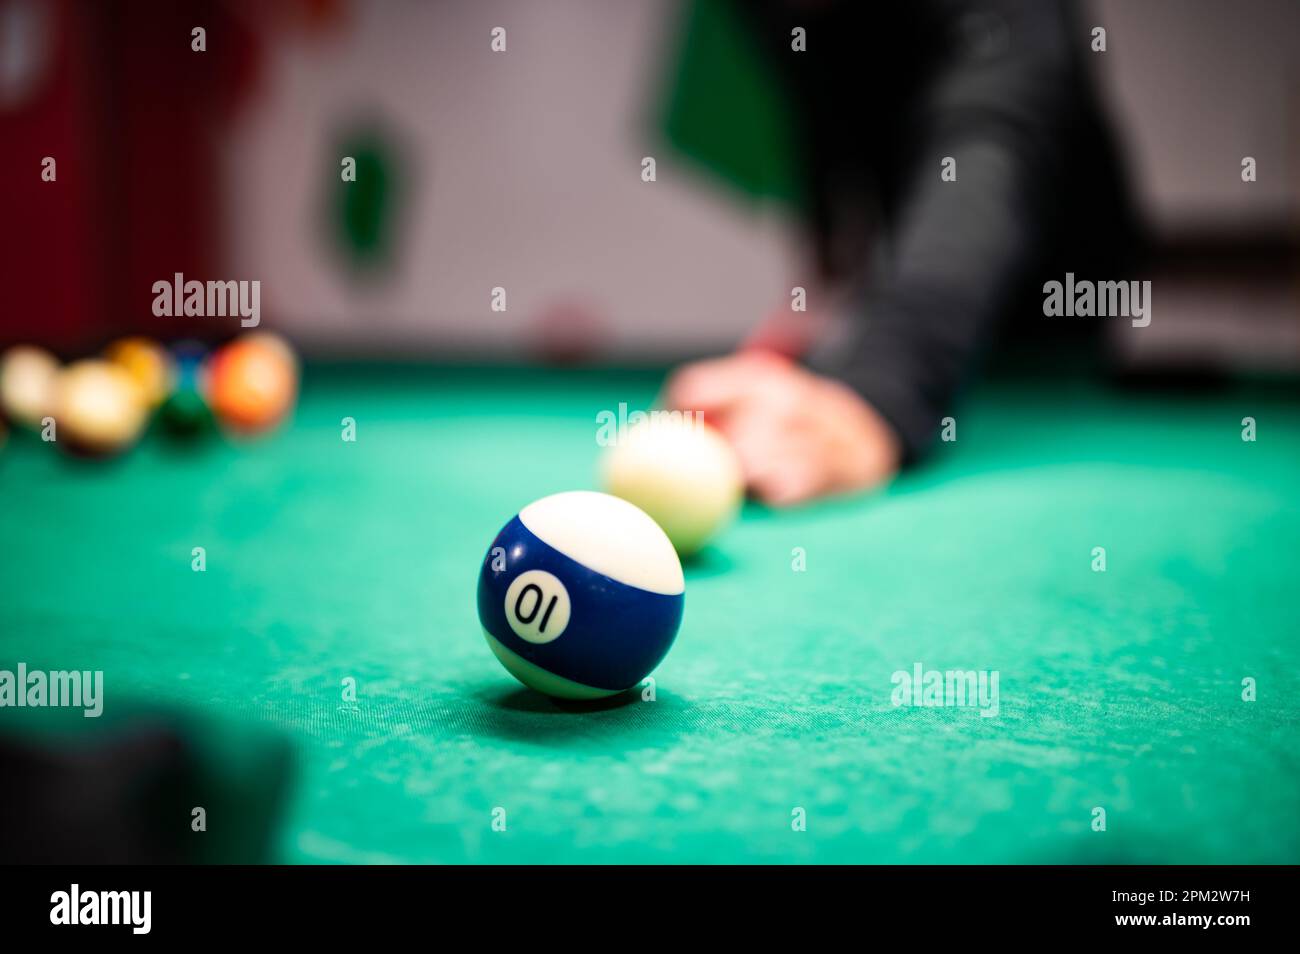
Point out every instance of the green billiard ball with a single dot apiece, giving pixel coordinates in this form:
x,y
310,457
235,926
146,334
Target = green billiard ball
x,y
186,412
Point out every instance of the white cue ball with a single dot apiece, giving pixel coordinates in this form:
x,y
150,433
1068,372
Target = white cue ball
x,y
681,472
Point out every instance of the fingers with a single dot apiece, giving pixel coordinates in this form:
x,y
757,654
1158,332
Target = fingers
x,y
781,466
717,386
798,436
790,484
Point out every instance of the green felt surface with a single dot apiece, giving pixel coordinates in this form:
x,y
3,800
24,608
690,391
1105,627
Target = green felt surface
x,y
329,560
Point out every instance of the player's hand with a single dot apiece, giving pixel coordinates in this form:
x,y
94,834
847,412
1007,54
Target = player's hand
x,y
798,435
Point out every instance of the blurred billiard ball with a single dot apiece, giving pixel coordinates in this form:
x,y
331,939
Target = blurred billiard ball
x,y
27,376
185,412
253,383
680,471
148,363
98,408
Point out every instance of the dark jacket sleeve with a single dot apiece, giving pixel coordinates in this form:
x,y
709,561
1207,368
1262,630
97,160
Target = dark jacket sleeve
x,y
998,87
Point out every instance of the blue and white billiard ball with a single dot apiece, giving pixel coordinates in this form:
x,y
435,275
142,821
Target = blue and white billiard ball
x,y
581,595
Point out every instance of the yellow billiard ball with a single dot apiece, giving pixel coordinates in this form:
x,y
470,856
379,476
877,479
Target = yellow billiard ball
x,y
148,363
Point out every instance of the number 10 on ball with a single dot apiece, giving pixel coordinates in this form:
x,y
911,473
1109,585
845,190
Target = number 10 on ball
x,y
580,595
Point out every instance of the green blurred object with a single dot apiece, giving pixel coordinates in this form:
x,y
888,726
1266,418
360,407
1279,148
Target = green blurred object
x,y
186,414
727,110
365,211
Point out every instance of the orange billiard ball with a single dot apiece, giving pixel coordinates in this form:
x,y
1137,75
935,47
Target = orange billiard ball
x,y
253,383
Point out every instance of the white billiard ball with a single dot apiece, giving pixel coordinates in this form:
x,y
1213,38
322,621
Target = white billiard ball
x,y
680,471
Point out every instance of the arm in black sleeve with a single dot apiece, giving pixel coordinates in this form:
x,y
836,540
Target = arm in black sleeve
x,y
1003,95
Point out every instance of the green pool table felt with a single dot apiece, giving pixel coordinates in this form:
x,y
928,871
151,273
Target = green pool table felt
x,y
330,560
